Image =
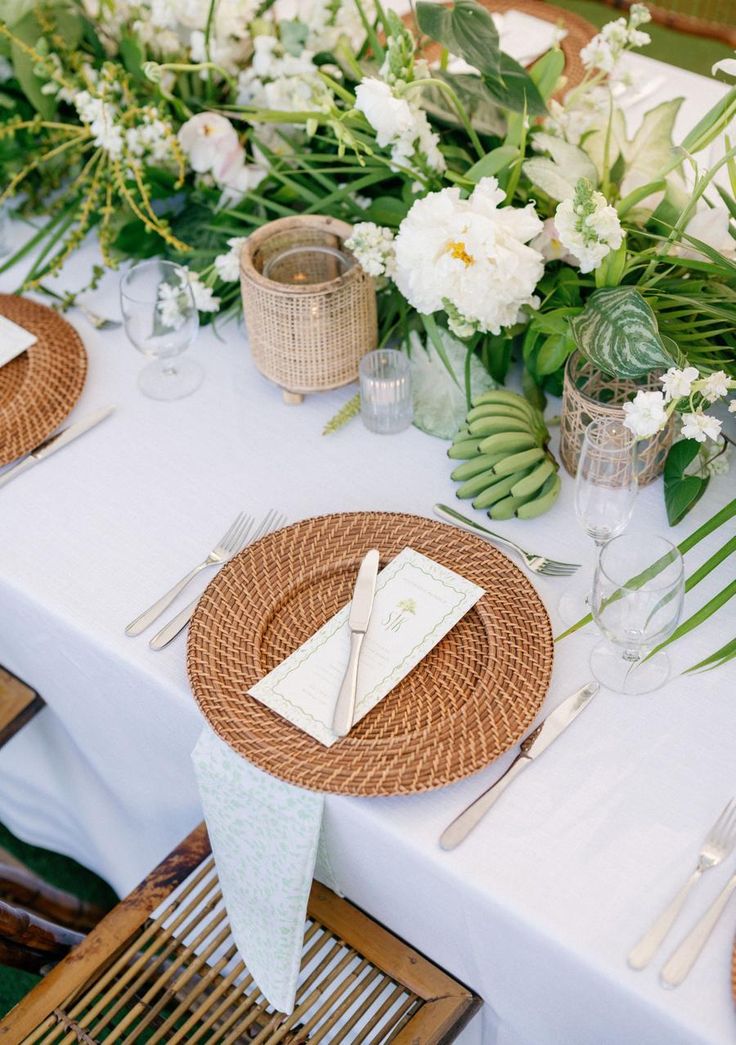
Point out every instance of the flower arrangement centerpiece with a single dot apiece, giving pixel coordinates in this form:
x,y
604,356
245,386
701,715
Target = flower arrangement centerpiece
x,y
499,212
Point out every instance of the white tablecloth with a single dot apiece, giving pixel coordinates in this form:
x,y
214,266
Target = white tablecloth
x,y
537,910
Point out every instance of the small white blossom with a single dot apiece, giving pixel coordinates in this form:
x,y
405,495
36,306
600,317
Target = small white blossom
x,y
469,257
678,383
228,265
716,386
398,123
732,407
171,306
588,226
100,117
700,427
605,49
204,298
646,415
373,246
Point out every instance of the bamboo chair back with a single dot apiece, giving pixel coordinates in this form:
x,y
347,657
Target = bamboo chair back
x,y
162,967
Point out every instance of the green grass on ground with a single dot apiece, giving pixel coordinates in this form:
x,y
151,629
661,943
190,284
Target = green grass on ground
x,y
696,53
64,874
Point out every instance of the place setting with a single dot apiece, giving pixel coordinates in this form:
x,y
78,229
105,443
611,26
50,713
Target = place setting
x,y
415,723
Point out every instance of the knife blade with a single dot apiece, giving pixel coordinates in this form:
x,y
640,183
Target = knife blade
x,y
358,620
56,442
531,747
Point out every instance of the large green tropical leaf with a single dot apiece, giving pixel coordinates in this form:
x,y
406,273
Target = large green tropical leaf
x,y
682,491
617,331
466,29
514,88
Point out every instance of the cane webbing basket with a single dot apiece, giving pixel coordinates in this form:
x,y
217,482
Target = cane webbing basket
x,y
163,967
40,386
469,700
311,336
589,395
579,32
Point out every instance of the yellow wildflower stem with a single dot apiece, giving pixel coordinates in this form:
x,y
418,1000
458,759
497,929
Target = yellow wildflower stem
x,y
37,57
154,226
33,165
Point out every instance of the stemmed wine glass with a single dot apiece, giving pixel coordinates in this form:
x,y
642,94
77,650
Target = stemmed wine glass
x,y
162,321
637,601
605,491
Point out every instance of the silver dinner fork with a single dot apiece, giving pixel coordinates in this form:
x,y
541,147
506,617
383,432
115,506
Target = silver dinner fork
x,y
273,521
716,847
230,543
535,563
682,961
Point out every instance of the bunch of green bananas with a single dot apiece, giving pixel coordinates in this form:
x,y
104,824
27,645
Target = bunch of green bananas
x,y
506,465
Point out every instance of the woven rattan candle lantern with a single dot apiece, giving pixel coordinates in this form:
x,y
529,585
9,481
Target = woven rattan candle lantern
x,y
309,307
590,394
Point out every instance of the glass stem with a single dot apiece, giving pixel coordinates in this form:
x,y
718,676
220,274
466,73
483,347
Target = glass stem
x,y
631,656
169,369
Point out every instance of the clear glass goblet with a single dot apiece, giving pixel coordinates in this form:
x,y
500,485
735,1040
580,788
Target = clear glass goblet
x,y
162,321
605,492
637,600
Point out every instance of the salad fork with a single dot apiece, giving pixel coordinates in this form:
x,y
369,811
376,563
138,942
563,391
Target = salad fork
x,y
534,563
716,847
272,521
230,543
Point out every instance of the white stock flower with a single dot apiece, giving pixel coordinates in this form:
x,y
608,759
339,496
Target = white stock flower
x,y
373,246
605,49
469,257
227,265
204,298
678,383
207,139
100,117
700,427
398,123
646,415
716,386
711,226
588,226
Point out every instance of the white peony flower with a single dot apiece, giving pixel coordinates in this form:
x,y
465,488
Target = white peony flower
x,y
678,383
646,415
550,246
208,139
227,265
588,226
711,226
373,246
469,257
716,386
700,427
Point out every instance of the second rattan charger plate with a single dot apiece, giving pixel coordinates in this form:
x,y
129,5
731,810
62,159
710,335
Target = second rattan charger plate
x,y
40,386
467,702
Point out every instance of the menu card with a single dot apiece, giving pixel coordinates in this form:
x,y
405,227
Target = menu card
x,y
417,602
13,340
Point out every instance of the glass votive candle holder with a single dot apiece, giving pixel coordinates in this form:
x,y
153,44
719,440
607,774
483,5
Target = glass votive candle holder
x,y
306,265
385,391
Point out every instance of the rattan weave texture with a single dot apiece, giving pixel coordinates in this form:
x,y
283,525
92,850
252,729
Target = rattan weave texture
x,y
579,32
468,701
40,386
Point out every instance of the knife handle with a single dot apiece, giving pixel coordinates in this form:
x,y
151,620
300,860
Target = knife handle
x,y
462,825
17,469
342,720
176,624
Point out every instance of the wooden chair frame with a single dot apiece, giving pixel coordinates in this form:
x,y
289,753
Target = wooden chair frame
x,y
445,1007
18,704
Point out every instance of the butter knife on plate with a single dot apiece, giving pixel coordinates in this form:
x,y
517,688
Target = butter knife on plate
x,y
358,620
55,442
533,746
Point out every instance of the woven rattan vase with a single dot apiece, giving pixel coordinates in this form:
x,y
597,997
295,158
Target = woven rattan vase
x,y
310,337
589,395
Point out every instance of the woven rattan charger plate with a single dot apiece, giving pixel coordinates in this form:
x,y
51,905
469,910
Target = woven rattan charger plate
x,y
579,32
40,386
468,701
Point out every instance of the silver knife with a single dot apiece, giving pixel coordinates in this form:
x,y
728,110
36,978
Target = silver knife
x,y
360,615
55,442
533,746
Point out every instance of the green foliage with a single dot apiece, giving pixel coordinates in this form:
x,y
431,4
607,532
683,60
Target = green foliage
x,y
617,331
682,492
